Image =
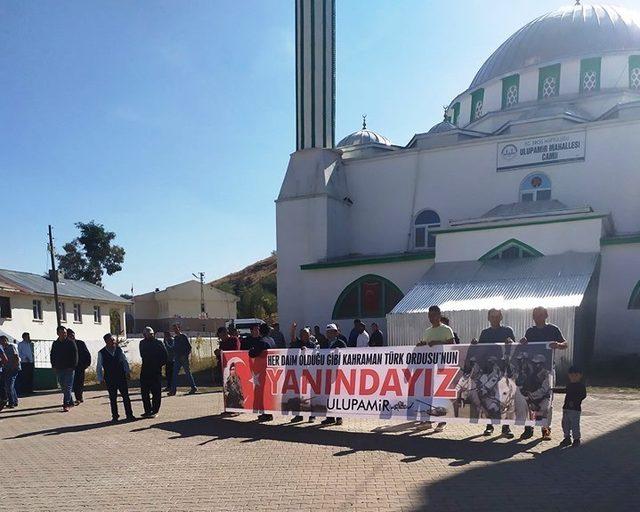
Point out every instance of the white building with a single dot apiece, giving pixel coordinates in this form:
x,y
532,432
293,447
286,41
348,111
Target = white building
x,y
27,305
525,194
182,303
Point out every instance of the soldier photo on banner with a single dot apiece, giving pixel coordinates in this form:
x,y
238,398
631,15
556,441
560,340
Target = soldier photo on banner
x,y
505,382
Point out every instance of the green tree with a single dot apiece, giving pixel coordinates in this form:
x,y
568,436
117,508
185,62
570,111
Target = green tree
x,y
91,254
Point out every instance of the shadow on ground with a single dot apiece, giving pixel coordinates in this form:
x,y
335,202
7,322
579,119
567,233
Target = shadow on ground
x,y
608,468
414,445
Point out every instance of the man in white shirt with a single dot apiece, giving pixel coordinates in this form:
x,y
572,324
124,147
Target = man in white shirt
x,y
363,336
25,352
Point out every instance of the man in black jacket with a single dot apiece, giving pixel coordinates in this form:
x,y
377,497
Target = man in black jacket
x,y
154,357
84,361
64,359
182,350
113,368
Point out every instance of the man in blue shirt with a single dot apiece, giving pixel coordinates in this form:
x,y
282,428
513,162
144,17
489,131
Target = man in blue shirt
x,y
10,371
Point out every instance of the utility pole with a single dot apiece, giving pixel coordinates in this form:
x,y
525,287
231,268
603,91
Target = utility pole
x,y
54,277
203,313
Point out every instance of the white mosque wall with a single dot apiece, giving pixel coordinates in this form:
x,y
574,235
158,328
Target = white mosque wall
x,y
578,236
322,287
462,182
614,74
617,328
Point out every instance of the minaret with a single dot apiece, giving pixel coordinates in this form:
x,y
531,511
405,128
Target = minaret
x,y
315,73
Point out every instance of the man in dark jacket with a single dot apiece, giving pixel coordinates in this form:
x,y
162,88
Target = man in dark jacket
x,y
376,339
256,346
168,368
64,359
84,361
113,368
227,343
154,357
182,350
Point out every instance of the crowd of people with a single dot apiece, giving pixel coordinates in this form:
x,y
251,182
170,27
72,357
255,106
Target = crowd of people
x,y
70,359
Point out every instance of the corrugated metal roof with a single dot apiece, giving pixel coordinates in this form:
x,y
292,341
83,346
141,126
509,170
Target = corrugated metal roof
x,y
37,284
550,281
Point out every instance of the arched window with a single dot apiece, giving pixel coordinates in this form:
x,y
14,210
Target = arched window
x,y
425,221
511,250
535,187
370,296
634,300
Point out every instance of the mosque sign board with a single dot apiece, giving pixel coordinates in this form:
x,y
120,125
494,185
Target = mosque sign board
x,y
481,383
548,149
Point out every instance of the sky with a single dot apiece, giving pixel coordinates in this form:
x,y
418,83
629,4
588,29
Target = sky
x,y
172,122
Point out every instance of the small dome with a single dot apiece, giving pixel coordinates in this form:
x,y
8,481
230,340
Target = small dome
x,y
443,126
363,137
572,31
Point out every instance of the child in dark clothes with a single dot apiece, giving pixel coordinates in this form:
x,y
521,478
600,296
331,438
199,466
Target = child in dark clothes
x,y
576,393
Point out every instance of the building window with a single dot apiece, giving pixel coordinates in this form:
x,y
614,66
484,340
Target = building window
x,y
634,300
590,75
77,313
63,311
370,296
97,317
37,309
535,187
549,82
5,307
477,104
510,91
456,112
425,221
634,72
511,250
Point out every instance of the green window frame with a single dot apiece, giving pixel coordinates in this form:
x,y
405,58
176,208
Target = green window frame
x,y
511,249
634,299
477,104
590,75
634,72
456,112
352,302
509,85
545,74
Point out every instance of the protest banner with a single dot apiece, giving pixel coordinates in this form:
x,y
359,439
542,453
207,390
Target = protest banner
x,y
482,383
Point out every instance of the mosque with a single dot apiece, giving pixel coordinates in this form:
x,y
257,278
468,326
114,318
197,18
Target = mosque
x,y
527,193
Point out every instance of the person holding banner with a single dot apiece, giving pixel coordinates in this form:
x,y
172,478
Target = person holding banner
x,y
496,333
542,331
437,334
335,341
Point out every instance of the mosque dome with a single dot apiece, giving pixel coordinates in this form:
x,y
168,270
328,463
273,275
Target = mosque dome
x,y
443,127
572,31
364,137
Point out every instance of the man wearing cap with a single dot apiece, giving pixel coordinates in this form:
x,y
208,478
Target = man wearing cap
x,y
84,361
304,339
335,341
154,357
112,367
542,331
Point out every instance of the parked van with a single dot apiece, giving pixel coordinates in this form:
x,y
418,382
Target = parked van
x,y
244,324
